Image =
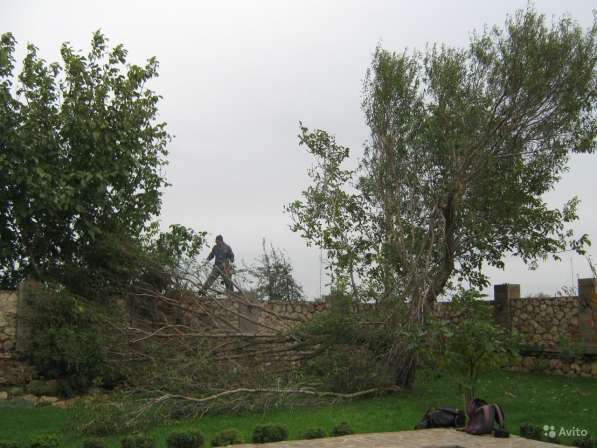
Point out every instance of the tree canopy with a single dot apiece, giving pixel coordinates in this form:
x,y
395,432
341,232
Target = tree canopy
x,y
463,144
81,157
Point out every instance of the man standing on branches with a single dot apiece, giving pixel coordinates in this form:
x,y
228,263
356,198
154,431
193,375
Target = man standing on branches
x,y
222,266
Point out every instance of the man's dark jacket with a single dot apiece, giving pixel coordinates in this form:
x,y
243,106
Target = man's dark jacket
x,y
222,253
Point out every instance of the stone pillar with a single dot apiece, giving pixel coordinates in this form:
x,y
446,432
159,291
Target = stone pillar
x,y
502,295
587,312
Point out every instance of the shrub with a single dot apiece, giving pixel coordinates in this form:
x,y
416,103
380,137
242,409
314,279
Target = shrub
x,y
352,356
227,437
343,429
137,441
8,444
314,433
269,433
101,416
64,342
529,431
584,442
185,439
39,387
93,443
182,411
65,389
47,441
475,346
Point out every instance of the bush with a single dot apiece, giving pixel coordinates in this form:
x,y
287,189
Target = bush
x,y
584,442
47,441
64,342
93,443
314,433
471,346
227,437
137,441
7,444
353,355
40,387
269,433
529,431
186,439
182,411
101,416
343,429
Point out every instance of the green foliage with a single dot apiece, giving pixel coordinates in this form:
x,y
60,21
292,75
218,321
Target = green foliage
x,y
39,387
273,275
314,433
71,352
7,444
529,431
64,341
227,437
182,411
81,156
152,262
469,344
185,439
556,399
585,442
137,441
350,354
343,429
464,143
47,441
93,443
269,433
102,415
178,244
569,349
345,368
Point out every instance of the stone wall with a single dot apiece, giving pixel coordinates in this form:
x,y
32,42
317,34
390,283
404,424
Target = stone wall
x,y
12,369
558,334
545,323
8,321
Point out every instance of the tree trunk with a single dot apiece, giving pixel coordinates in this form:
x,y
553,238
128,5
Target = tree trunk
x,y
406,369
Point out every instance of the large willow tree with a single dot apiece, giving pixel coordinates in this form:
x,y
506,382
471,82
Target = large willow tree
x,y
463,144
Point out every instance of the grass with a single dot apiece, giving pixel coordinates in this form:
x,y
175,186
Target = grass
x,y
527,398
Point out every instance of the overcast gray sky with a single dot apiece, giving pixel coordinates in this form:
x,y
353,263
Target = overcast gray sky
x,y
237,76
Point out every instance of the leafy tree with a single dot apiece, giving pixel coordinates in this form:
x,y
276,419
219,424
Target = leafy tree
x,y
158,260
463,144
81,156
467,343
273,275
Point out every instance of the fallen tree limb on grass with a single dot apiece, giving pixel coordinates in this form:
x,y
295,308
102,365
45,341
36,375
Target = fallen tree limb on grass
x,y
242,390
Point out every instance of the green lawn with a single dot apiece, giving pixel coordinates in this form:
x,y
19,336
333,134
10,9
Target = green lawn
x,y
536,399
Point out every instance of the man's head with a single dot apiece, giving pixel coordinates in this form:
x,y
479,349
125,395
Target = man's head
x,y
219,239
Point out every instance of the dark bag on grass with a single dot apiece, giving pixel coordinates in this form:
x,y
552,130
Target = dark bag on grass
x,y
442,418
484,418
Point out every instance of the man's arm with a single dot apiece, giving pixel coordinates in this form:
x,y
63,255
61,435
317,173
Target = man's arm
x,y
211,254
230,255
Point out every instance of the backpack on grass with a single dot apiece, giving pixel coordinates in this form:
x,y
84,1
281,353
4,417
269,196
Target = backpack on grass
x,y
442,418
484,418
